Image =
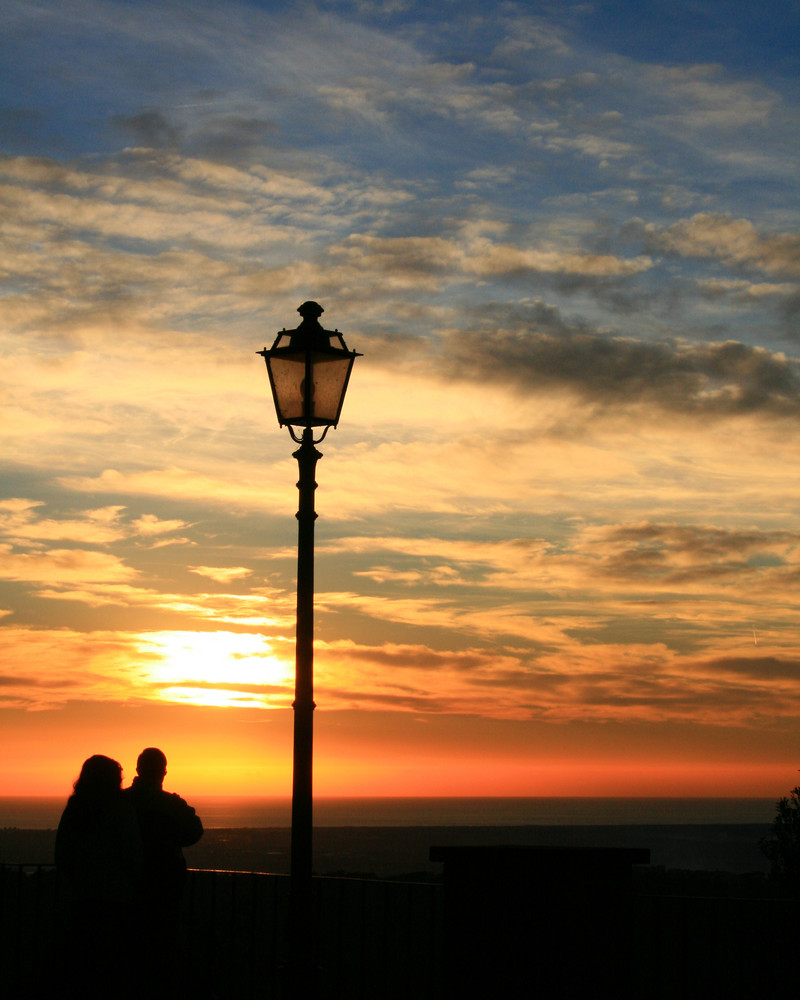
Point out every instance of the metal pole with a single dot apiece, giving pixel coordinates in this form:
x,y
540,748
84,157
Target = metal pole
x,y
301,943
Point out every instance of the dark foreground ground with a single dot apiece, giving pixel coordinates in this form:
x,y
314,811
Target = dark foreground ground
x,y
705,922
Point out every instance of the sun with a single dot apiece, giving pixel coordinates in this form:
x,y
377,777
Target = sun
x,y
223,669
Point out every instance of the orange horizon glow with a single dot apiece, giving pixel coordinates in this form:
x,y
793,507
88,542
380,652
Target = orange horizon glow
x,y
433,777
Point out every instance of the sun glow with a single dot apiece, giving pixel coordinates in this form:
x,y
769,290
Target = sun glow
x,y
222,669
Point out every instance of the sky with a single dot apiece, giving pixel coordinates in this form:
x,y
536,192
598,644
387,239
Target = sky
x,y
558,544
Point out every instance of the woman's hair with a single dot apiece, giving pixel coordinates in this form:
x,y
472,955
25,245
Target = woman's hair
x,y
100,778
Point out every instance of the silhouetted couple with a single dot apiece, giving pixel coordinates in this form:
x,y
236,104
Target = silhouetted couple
x,y
122,872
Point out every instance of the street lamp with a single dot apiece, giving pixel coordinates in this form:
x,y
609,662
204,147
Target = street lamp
x,y
309,369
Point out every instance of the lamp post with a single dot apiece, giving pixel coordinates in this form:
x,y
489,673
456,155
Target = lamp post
x,y
309,369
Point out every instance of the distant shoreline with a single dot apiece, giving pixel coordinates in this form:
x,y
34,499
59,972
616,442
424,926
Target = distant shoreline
x,y
269,812
386,851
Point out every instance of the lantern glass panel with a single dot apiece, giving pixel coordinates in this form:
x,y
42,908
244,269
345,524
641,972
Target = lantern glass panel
x,y
287,374
329,374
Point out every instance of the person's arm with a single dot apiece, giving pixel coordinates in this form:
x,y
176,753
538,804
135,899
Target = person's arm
x,y
186,823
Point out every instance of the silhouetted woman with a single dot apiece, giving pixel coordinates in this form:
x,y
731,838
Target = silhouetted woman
x,y
99,859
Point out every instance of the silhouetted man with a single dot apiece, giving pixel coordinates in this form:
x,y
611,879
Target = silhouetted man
x,y
167,824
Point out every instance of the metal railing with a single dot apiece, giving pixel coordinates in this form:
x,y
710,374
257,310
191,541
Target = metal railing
x,y
385,940
714,948
373,938
28,928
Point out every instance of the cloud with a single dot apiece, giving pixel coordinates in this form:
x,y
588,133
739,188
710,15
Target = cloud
x,y
760,668
63,566
656,561
735,242
258,608
174,482
675,557
599,147
526,34
46,668
21,524
705,98
149,525
221,574
601,682
427,259
149,128
544,352
744,290
698,543
148,239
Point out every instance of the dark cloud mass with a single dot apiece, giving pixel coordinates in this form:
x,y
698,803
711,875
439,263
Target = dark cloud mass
x,y
703,541
762,668
148,128
715,379
734,241
679,555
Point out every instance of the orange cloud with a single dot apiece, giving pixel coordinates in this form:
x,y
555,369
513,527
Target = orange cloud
x,y
63,566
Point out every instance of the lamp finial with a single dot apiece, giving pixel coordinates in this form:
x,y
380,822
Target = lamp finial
x,y
310,310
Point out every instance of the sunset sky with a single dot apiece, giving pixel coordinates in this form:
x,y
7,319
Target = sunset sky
x,y
558,546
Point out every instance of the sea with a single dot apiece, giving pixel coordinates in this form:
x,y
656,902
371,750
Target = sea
x,y
392,837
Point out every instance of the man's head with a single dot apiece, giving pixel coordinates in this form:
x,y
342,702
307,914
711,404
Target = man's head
x,y
151,765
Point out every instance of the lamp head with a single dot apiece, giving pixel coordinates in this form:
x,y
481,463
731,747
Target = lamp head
x,y
309,369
